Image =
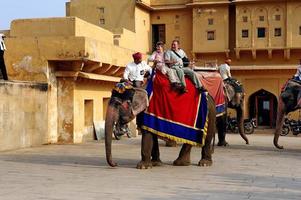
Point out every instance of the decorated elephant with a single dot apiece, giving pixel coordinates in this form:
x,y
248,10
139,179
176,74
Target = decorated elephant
x,y
235,100
150,154
187,118
289,100
125,103
224,99
198,125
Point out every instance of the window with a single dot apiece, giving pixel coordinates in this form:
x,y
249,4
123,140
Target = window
x,y
245,19
277,32
102,21
177,16
245,33
210,21
101,10
260,32
277,17
210,35
299,30
261,18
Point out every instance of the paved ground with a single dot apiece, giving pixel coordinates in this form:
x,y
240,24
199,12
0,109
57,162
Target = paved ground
x,y
258,171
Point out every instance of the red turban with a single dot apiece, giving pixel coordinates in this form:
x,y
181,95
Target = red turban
x,y
137,56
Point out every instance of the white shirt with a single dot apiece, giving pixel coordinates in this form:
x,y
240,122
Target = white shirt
x,y
171,56
134,72
298,72
2,45
224,70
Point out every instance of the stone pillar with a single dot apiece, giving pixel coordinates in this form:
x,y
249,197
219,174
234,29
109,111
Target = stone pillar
x,y
52,107
65,109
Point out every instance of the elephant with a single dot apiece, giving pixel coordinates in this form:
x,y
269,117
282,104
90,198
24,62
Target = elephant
x,y
289,99
123,107
235,100
150,154
119,109
225,97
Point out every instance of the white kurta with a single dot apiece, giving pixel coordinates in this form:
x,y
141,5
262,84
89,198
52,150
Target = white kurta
x,y
224,70
136,72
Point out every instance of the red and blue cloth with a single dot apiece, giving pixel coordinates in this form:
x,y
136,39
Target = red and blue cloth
x,y
179,117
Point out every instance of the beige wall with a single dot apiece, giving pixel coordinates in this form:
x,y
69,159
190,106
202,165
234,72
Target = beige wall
x,y
294,22
143,34
23,114
288,23
97,93
178,26
117,14
30,46
54,51
220,26
253,12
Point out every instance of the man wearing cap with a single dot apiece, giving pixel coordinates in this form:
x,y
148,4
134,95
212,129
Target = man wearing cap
x,y
2,64
136,71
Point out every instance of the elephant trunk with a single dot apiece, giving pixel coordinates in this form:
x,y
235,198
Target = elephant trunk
x,y
240,120
111,118
279,123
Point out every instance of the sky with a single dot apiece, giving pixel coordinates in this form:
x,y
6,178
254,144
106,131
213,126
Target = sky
x,y
24,9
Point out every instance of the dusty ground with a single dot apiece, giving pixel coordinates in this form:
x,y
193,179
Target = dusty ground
x,y
257,171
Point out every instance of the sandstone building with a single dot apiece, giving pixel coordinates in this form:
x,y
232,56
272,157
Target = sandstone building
x,y
72,63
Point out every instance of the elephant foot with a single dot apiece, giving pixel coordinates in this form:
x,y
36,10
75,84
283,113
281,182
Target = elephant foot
x,y
157,163
224,144
144,165
180,162
205,163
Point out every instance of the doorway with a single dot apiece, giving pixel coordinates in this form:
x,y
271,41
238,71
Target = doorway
x,y
263,107
159,34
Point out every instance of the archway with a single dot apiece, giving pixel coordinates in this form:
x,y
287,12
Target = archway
x,y
263,107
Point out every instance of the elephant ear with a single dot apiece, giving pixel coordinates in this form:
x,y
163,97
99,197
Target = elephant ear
x,y
140,101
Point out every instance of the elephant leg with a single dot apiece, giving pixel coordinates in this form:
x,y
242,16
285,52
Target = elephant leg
x,y
184,156
206,159
221,130
279,122
156,152
206,153
146,150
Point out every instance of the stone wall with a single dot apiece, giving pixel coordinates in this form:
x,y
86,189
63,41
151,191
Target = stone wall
x,y
23,115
